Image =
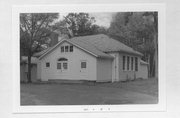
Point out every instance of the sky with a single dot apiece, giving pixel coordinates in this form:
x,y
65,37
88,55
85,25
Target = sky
x,y
102,18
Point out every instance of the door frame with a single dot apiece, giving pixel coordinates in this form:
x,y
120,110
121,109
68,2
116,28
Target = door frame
x,y
115,67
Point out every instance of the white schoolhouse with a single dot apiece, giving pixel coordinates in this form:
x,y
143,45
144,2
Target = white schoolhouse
x,y
94,58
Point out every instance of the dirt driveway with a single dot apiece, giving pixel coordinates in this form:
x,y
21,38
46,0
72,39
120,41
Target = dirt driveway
x,y
83,94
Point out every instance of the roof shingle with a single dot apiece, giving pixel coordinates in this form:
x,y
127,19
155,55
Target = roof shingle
x,y
105,44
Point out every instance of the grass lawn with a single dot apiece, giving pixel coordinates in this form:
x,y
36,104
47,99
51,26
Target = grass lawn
x,y
131,92
149,86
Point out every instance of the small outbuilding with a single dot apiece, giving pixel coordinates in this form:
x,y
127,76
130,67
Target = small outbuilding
x,y
24,69
144,69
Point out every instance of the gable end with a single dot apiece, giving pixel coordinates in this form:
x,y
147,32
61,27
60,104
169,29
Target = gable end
x,y
49,51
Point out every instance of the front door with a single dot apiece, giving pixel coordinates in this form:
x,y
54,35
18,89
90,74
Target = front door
x,y
115,68
83,69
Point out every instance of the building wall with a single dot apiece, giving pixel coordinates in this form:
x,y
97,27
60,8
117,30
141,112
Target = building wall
x,y
143,73
104,70
24,71
115,66
39,70
125,75
74,71
23,74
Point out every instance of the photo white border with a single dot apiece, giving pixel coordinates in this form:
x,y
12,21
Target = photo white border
x,y
17,9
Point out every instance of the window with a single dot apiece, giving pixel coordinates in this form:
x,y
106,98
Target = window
x,y
58,65
62,49
83,64
66,48
136,64
65,65
62,64
62,59
127,62
124,61
71,48
47,64
132,63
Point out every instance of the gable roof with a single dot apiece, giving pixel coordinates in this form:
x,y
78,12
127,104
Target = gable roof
x,y
105,43
90,48
96,45
82,45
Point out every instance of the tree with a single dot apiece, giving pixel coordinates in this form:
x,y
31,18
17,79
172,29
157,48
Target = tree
x,y
155,40
96,29
119,28
34,31
136,30
79,24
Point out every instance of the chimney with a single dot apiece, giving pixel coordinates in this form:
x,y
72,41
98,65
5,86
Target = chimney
x,y
62,36
59,37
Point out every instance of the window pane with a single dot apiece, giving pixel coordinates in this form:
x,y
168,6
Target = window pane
x,y
62,49
124,59
65,65
66,48
71,48
128,63
132,63
136,64
47,64
83,64
58,65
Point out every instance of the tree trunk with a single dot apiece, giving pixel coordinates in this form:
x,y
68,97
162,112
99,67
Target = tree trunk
x,y
29,69
148,65
156,43
152,64
156,55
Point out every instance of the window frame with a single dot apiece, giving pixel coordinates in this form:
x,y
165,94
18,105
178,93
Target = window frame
x,y
48,64
128,63
136,64
84,61
59,66
62,49
62,61
71,48
132,63
66,50
124,62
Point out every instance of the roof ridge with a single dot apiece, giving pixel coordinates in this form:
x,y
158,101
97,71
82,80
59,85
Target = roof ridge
x,y
91,45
